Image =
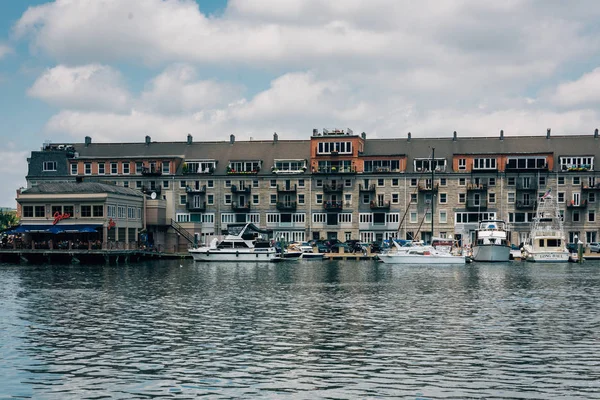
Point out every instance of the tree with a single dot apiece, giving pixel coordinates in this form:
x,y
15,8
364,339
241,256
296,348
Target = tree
x,y
7,219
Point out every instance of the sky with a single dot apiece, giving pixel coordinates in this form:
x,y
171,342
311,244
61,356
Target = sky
x,y
118,70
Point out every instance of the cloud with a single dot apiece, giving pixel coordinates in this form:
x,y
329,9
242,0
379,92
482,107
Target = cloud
x,y
4,50
91,86
12,169
583,91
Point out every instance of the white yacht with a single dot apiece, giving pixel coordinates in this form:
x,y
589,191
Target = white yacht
x,y
244,243
546,242
491,242
408,252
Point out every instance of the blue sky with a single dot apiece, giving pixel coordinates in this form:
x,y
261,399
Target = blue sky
x,y
119,70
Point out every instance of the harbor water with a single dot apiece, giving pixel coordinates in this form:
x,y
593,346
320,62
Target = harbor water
x,y
300,330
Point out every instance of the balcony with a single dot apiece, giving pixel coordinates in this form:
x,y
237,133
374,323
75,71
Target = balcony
x,y
514,168
383,205
241,190
287,188
286,205
575,167
333,188
195,206
590,187
573,205
152,171
193,190
334,170
529,187
525,204
235,206
231,171
428,188
473,187
370,188
333,205
192,171
476,204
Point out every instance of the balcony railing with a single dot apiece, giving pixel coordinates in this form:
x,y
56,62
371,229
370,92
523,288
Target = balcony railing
x,y
477,204
286,205
369,188
375,205
590,187
333,205
333,188
152,171
235,206
287,188
576,168
532,186
514,168
581,204
525,204
191,206
241,190
193,171
477,187
428,188
193,190
334,170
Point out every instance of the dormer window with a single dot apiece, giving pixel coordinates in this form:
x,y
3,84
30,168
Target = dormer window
x,y
49,166
424,164
576,163
334,148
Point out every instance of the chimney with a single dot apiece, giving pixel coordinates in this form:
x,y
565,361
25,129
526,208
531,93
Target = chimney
x,y
275,137
88,141
231,139
501,134
409,136
548,133
596,133
189,139
454,137
148,140
315,132
364,135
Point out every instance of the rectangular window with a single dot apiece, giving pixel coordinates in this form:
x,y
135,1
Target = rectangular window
x,y
366,198
210,184
87,168
27,211
395,198
462,164
577,180
575,216
165,184
319,183
591,216
273,183
380,182
74,169
273,199
462,182
114,168
319,199
492,182
395,182
592,197
348,198
413,182
101,168
166,167
344,218
542,181
492,198
561,197
86,211
348,183
443,198
138,167
255,183
227,199
182,184
183,199
49,166
227,184
484,163
210,199
300,199
126,166
300,183
413,217
561,180
511,181
443,182
413,198
462,198
510,197
98,211
254,199
443,217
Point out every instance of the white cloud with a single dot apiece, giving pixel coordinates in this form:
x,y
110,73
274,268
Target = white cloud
x,y
4,50
583,91
85,87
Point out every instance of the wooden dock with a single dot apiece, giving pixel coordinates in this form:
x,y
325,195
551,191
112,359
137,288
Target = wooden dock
x,y
80,256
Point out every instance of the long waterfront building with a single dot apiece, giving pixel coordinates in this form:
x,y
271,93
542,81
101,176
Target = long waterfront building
x,y
337,184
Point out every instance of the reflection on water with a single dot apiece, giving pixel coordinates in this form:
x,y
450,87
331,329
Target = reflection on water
x,y
300,330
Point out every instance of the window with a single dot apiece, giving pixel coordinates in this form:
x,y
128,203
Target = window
x,y
576,163
183,199
443,182
348,198
542,181
511,181
334,147
365,218
210,184
526,163
138,167
560,196
462,198
87,168
392,218
300,199
319,218
49,166
348,183
227,183
165,184
254,199
86,211
182,184
592,197
591,216
210,199
182,217
114,168
27,211
126,166
484,163
98,211
561,180
443,198
462,164
138,184
111,211
395,198
319,199
510,197
575,216
227,218
492,182
491,198
227,199
273,199
273,183
344,218
300,183
366,198
381,166
395,182
255,183
319,183
413,198
413,182
576,180
443,217
166,167
413,217
193,167
243,166
380,182
462,182
40,211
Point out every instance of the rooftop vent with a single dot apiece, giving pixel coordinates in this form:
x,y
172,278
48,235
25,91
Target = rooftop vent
x,y
409,136
454,136
501,134
148,139
88,141
364,135
596,133
315,132
548,133
231,139
275,137
189,139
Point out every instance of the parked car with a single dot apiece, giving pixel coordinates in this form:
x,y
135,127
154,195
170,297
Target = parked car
x,y
594,247
572,247
377,247
321,245
355,245
335,248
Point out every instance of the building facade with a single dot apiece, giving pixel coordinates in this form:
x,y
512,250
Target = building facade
x,y
336,184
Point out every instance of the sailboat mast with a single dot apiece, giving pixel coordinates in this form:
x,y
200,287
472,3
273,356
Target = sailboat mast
x,y
432,191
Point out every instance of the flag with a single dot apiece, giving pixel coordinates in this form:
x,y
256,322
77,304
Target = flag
x,y
546,194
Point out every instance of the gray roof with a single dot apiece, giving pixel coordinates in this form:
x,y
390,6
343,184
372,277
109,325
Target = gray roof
x,y
81,187
36,162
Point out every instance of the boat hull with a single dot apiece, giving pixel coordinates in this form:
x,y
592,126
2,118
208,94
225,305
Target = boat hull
x,y
491,253
207,254
422,259
548,257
